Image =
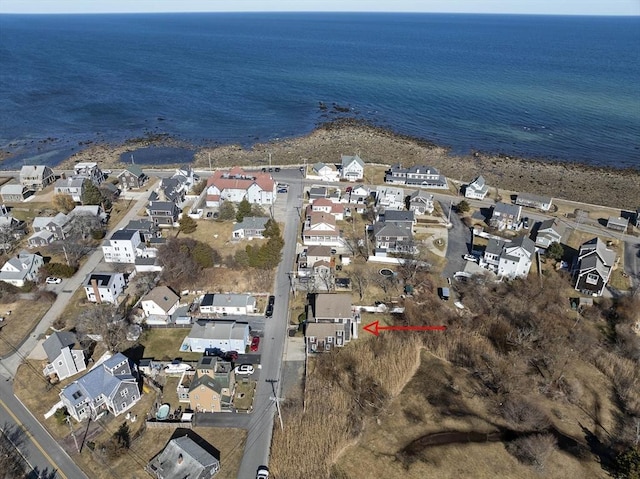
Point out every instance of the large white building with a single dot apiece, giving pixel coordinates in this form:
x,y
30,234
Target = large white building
x,y
121,247
509,259
225,335
235,185
104,287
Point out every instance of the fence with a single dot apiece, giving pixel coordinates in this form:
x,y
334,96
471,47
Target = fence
x,y
169,424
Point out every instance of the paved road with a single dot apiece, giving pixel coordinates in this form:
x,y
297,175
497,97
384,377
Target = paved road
x,y
37,439
260,429
458,243
632,262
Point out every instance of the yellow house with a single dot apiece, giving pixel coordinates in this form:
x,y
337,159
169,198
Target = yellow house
x,y
211,389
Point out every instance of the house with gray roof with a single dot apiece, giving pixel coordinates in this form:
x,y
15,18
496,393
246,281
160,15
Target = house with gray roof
x,y
111,386
183,458
506,216
40,239
164,213
72,186
421,202
147,229
617,223
401,218
159,304
352,168
58,225
228,304
249,228
132,178
593,267
549,231
65,356
21,268
227,335
534,201
477,189
14,193
509,259
421,176
391,238
330,323
324,172
36,177
89,170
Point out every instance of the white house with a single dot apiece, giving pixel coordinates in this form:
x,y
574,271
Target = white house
x,y
477,189
159,304
64,356
352,168
36,177
90,171
235,185
549,231
325,205
509,259
422,176
421,202
249,228
228,304
534,201
104,287
21,268
320,229
391,198
324,172
224,335
73,186
121,247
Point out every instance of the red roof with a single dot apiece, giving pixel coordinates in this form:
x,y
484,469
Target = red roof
x,y
237,179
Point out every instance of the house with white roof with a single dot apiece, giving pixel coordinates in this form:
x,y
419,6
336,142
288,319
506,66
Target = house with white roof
x,y
593,267
111,386
36,177
352,168
477,189
228,304
323,172
21,268
236,184
390,198
104,287
221,334
64,354
534,201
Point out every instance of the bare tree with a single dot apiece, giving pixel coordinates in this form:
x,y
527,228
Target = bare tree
x,y
105,321
11,463
360,279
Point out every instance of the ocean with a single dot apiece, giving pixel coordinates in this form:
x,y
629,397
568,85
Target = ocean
x,y
555,87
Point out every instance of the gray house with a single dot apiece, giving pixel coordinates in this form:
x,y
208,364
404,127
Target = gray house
x,y
181,458
550,231
64,356
423,176
36,177
421,202
14,193
250,227
109,387
593,267
506,216
617,224
132,177
73,187
163,213
58,225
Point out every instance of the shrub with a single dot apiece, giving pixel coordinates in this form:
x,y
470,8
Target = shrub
x,y
627,464
59,270
61,415
534,450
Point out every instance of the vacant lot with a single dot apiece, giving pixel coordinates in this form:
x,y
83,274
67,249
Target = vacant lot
x,y
164,344
20,317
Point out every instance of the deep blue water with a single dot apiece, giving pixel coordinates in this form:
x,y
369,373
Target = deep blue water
x,y
566,88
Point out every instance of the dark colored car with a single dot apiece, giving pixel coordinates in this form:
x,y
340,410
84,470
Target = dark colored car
x,y
272,300
277,170
255,343
269,311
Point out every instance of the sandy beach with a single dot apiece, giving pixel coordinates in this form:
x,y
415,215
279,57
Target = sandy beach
x,y
602,186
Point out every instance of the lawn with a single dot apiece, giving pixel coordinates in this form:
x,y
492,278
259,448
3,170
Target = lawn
x,y
25,315
164,344
243,397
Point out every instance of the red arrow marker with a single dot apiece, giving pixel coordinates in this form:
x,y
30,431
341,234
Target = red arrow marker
x,y
375,328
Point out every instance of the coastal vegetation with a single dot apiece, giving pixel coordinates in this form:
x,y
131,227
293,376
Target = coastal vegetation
x,y
518,384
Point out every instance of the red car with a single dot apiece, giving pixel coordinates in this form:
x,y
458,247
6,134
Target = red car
x,y
255,342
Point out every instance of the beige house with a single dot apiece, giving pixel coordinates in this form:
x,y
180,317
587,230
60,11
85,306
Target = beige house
x,y
210,387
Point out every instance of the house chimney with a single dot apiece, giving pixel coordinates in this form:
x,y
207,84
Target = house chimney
x,y
180,459
96,291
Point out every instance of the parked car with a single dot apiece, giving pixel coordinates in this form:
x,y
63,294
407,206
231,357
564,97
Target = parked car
x,y
255,342
269,311
53,280
469,257
277,170
525,222
272,300
444,294
244,369
209,214
282,190
230,356
263,472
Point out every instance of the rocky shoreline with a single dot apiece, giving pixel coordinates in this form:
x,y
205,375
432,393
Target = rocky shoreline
x,y
602,186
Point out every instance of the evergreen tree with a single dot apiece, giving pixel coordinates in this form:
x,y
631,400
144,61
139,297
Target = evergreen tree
x,y
244,209
555,251
187,224
226,211
90,194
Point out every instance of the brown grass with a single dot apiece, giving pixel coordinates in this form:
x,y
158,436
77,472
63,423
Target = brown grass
x,y
76,305
25,315
164,344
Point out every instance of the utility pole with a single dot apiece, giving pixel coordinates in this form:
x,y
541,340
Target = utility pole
x,y
210,169
73,434
269,159
277,400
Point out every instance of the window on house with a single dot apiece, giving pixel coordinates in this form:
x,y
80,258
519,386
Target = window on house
x,y
124,405
592,278
124,393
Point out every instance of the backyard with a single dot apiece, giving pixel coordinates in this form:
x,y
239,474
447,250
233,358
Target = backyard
x,y
19,318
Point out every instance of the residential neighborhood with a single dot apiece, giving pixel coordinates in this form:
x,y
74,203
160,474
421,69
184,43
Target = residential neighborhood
x,y
181,309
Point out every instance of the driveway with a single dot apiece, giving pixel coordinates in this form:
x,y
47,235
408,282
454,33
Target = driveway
x,y
458,244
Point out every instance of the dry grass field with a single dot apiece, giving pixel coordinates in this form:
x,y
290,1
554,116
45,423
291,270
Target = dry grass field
x,y
24,316
164,344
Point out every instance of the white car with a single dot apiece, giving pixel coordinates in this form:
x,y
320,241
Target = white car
x,y
177,368
52,280
263,472
469,257
244,369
